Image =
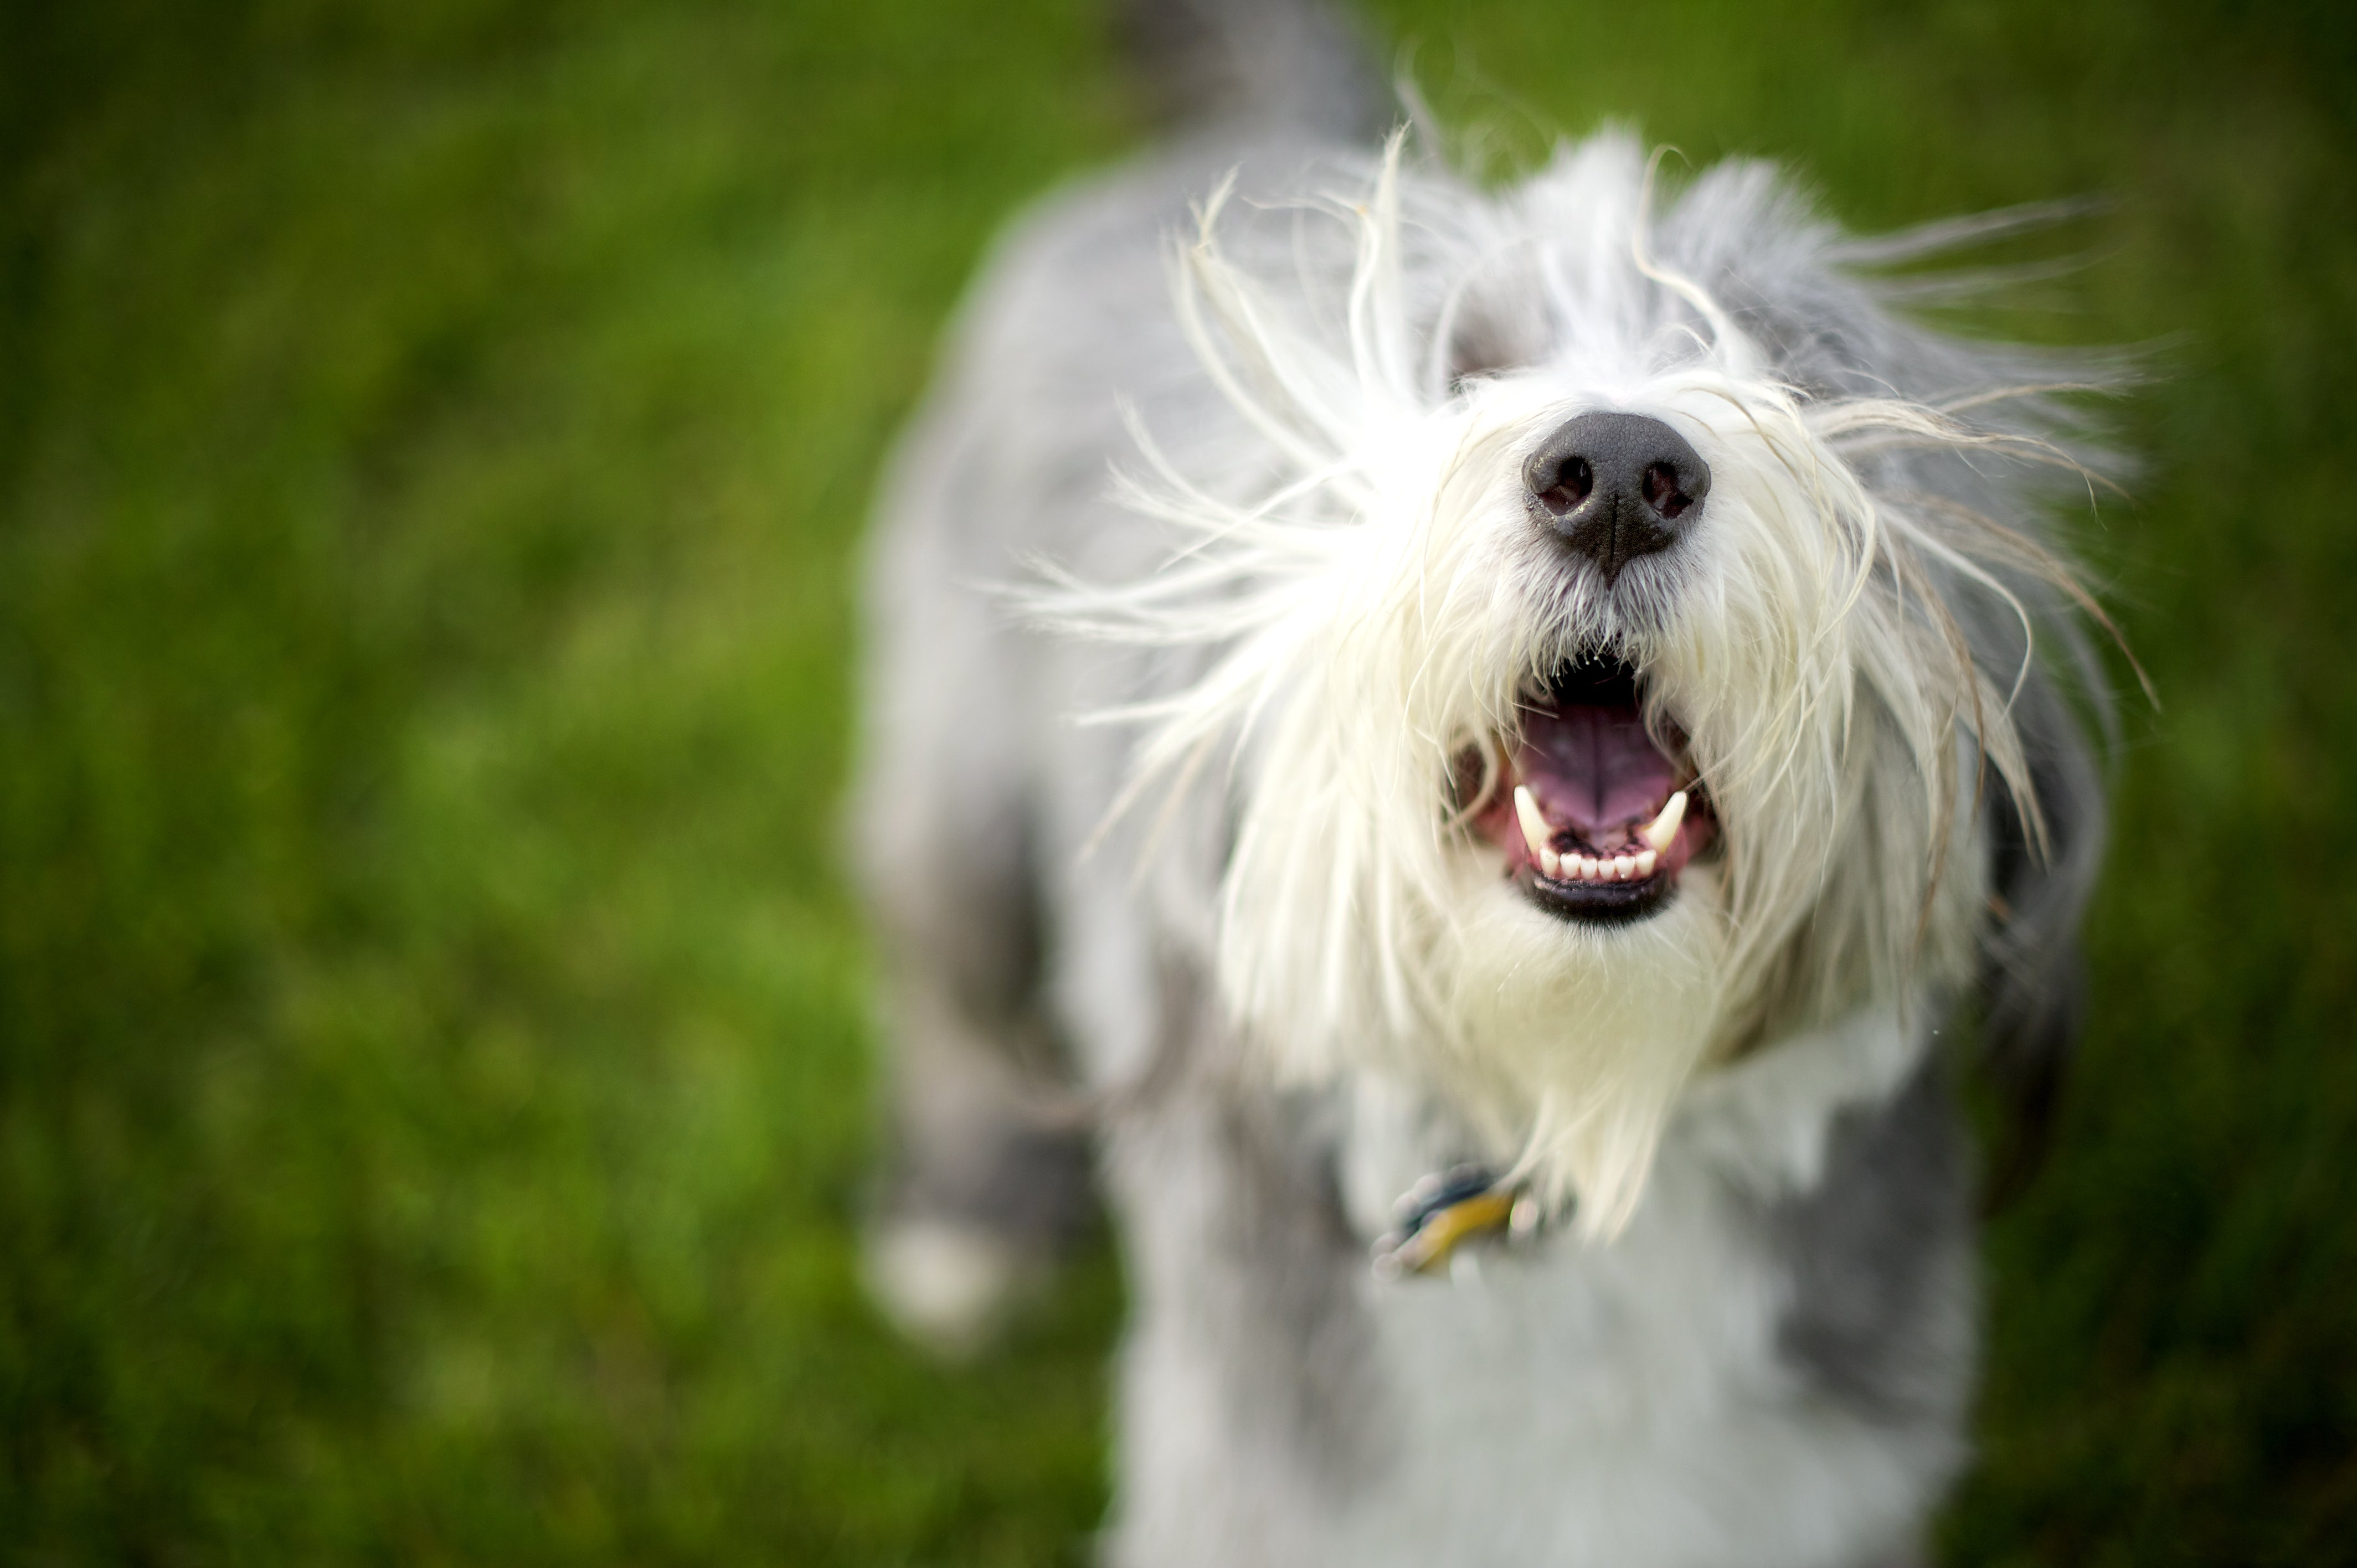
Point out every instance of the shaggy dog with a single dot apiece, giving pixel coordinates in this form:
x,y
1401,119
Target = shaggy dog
x,y
1461,745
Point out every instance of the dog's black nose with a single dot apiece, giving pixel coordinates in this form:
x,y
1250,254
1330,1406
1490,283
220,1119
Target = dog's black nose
x,y
1617,485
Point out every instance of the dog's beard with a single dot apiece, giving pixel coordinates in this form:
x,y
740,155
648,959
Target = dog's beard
x,y
1567,1046
1377,914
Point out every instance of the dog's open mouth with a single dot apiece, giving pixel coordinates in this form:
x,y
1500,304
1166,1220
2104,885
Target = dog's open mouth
x,y
1596,814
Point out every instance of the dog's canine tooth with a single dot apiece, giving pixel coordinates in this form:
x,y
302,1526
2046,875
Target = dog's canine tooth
x,y
1661,830
1535,832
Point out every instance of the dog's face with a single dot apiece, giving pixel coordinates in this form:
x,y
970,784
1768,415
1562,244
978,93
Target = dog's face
x,y
1603,706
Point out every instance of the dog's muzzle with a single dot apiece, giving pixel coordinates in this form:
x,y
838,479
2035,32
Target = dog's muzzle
x,y
1614,487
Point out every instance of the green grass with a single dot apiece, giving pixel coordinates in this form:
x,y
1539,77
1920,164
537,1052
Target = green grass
x,y
432,440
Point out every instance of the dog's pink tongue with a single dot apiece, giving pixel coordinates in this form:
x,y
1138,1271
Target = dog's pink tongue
x,y
1595,769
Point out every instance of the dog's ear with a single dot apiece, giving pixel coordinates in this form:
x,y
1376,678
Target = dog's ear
x,y
2032,978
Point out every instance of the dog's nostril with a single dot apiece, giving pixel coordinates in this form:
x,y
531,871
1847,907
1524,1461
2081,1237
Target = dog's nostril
x,y
1663,492
1572,481
1614,487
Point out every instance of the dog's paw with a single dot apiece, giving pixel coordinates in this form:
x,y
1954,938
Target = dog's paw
x,y
948,1286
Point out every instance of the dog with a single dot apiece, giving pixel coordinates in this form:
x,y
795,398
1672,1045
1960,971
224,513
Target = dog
x,y
1458,750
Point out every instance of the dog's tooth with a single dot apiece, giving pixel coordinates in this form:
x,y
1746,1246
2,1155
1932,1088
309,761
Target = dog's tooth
x,y
1535,832
1646,861
1624,868
1551,863
1588,869
1664,828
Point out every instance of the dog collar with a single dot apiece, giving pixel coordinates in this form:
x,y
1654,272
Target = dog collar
x,y
1443,1211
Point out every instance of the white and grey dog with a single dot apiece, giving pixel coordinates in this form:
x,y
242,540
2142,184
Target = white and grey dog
x,y
1493,726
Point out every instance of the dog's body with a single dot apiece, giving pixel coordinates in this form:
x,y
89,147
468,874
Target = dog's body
x,y
1283,929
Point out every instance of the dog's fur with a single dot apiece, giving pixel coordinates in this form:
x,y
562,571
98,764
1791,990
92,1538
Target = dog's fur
x,y
1207,605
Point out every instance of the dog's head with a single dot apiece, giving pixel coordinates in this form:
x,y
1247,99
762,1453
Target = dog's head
x,y
1632,661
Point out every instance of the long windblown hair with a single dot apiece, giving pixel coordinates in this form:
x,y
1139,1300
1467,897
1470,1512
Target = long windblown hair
x,y
1866,653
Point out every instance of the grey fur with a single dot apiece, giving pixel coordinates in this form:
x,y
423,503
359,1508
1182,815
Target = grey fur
x,y
1255,1278
1879,1255
1272,1391
976,795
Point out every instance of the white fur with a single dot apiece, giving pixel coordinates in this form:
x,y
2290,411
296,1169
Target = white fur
x,y
1373,613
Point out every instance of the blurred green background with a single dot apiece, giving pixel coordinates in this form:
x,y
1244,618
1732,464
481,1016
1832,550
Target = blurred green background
x,y
433,437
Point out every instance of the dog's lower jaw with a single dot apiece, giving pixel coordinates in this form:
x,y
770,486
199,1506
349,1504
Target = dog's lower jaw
x,y
1598,903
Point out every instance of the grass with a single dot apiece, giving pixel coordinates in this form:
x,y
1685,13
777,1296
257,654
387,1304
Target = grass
x,y
433,440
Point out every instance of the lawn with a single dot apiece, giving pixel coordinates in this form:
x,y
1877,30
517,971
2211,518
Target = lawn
x,y
434,442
